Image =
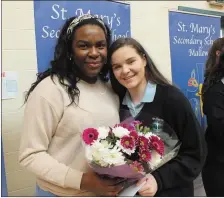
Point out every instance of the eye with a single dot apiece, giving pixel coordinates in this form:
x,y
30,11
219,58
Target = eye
x,y
101,46
83,46
116,67
130,61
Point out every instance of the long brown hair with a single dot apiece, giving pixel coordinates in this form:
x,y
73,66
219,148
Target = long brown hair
x,y
214,68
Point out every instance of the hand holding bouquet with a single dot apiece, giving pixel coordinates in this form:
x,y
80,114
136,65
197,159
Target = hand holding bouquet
x,y
125,151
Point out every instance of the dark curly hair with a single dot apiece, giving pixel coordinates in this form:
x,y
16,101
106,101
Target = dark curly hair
x,y
152,73
214,68
63,67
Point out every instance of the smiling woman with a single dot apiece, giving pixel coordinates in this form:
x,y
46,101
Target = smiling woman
x,y
142,89
129,69
67,98
90,47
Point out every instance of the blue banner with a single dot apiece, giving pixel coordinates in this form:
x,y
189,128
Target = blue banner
x,y
191,36
50,16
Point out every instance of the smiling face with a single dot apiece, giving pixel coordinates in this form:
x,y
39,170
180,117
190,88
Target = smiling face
x,y
90,49
128,67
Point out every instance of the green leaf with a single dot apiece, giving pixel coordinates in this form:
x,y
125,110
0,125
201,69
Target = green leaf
x,y
141,128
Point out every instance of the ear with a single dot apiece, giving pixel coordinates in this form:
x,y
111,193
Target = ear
x,y
218,53
144,60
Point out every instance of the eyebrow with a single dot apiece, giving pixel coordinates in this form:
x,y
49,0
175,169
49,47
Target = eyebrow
x,y
115,64
130,58
85,41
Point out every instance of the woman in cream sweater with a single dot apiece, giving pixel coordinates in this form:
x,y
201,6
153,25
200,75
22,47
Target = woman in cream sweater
x,y
71,95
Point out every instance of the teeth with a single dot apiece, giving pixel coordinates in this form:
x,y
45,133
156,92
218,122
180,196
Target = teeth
x,y
128,78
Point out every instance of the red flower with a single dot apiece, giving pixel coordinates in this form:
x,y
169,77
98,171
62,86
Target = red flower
x,y
145,155
134,135
142,149
128,142
90,135
136,122
137,166
128,127
157,144
121,125
143,142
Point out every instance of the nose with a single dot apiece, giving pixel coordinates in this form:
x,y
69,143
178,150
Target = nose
x,y
125,70
93,52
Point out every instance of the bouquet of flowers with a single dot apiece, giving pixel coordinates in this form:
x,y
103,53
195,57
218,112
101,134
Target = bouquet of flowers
x,y
129,150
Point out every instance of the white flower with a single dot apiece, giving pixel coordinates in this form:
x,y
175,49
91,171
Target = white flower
x,y
103,132
93,151
120,131
149,134
127,151
155,159
106,144
114,157
102,153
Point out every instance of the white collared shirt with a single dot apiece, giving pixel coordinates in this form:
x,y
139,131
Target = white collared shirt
x,y
148,97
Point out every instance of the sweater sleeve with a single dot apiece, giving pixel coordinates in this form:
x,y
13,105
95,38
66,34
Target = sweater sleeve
x,y
41,118
187,165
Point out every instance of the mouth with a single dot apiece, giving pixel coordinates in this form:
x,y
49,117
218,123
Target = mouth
x,y
94,64
128,78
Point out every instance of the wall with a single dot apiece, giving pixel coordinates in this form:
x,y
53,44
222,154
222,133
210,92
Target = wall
x,y
149,23
18,54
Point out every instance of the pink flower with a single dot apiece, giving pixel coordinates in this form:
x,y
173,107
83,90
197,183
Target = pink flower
x,y
120,125
134,135
128,142
128,127
90,135
137,166
142,149
157,144
145,155
143,142
136,122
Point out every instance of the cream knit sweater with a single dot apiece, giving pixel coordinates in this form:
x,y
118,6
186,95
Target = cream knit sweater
x,y
51,145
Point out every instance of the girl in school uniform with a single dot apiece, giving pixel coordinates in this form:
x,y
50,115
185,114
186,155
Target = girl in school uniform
x,y
142,90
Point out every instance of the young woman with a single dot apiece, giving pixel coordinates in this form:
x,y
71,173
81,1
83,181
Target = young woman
x,y
213,107
69,97
144,91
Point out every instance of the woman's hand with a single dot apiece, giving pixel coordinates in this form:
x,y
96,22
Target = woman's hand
x,y
105,187
150,188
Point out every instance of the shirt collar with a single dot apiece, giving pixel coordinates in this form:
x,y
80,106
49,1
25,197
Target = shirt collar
x,y
222,80
148,97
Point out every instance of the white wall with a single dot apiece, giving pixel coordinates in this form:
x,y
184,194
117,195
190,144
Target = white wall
x,y
149,24
18,54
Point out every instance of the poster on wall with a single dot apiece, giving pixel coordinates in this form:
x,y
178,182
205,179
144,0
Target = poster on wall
x,y
9,85
49,17
191,36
